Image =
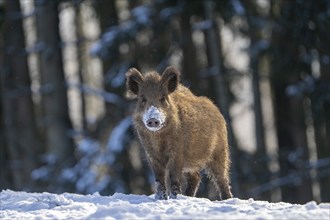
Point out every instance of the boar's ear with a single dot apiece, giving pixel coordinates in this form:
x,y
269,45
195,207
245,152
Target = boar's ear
x,y
133,80
171,78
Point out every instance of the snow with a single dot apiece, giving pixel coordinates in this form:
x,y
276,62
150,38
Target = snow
x,y
23,205
154,112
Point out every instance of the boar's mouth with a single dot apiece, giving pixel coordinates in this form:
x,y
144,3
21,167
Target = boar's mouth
x,y
153,118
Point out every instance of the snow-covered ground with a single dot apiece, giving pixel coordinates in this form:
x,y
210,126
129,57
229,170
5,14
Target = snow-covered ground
x,y
23,205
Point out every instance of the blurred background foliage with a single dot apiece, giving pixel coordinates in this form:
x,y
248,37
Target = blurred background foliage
x,y
66,125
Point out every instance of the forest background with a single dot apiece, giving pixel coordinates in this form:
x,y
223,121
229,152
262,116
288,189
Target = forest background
x,y
65,124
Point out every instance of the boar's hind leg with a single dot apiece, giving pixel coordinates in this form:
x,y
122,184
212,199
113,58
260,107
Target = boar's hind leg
x,y
218,172
193,181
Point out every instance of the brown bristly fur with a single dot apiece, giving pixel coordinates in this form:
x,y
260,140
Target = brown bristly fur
x,y
194,136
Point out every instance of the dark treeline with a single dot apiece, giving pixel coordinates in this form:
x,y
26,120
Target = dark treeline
x,y
65,122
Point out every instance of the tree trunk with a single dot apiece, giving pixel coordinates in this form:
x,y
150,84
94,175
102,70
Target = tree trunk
x,y
254,32
262,168
293,151
289,111
321,116
321,119
189,63
5,177
22,145
323,144
108,18
54,98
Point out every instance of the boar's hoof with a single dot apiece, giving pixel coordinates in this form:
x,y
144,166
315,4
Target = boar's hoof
x,y
160,192
173,196
175,190
161,195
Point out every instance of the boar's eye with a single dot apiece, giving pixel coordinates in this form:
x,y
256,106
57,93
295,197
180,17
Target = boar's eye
x,y
143,99
163,99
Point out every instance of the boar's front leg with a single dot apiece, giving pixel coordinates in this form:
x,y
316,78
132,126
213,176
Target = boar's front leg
x,y
160,186
175,171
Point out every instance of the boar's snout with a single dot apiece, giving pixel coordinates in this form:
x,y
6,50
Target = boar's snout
x,y
153,118
153,123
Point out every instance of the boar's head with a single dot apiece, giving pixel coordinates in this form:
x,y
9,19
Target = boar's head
x,y
154,107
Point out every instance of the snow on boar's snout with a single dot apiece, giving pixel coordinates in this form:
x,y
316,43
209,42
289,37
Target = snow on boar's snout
x,y
153,118
181,133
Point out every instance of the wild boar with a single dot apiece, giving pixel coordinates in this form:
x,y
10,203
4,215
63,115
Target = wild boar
x,y
181,133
